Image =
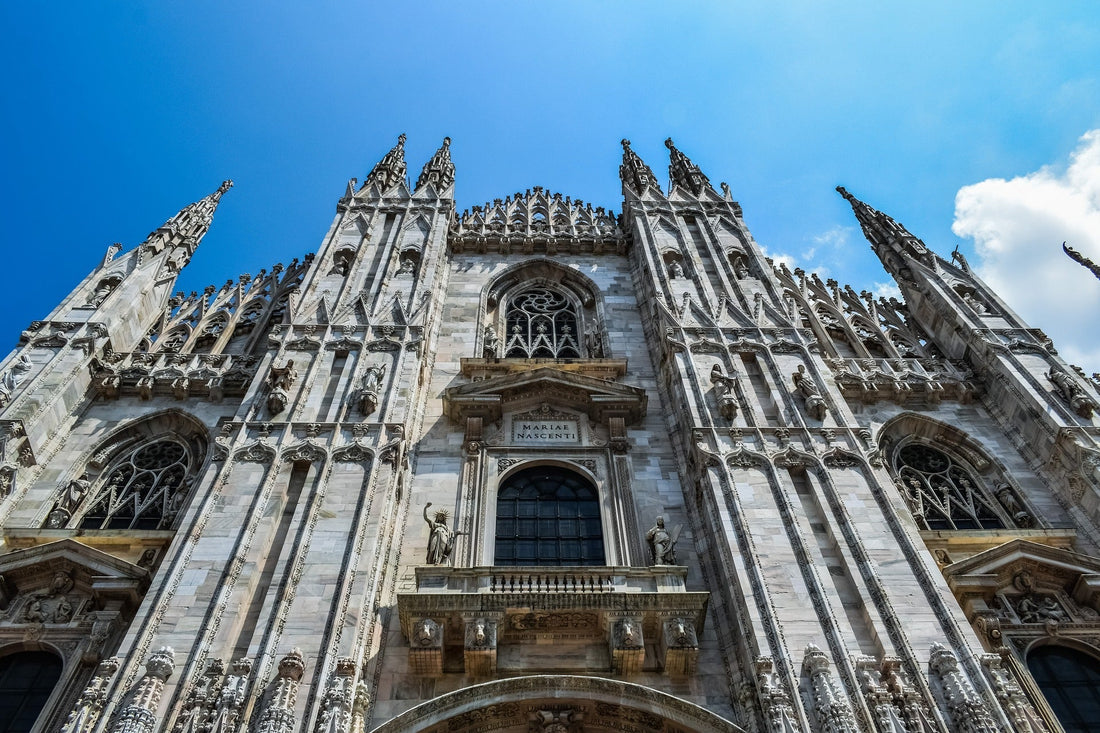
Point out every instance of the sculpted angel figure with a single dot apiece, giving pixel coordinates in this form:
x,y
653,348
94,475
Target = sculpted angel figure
x,y
441,539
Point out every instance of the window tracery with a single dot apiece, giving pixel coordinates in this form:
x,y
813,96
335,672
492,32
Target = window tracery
x,y
541,323
144,488
941,491
548,516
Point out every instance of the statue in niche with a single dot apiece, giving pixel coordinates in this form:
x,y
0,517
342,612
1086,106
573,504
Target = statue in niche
x,y
739,267
593,342
372,383
1007,497
815,403
12,378
491,344
441,539
976,305
724,389
675,270
279,380
408,266
71,497
102,290
1071,392
662,543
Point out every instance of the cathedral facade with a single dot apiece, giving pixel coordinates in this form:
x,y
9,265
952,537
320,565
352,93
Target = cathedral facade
x,y
537,466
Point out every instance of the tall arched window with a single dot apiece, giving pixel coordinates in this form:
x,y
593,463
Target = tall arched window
x,y
541,323
941,492
144,488
548,516
1070,680
27,680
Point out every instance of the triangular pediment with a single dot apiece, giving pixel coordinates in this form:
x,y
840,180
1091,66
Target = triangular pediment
x,y
996,569
600,399
88,570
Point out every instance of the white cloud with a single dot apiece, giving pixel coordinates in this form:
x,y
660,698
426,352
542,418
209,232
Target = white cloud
x,y
888,289
1018,227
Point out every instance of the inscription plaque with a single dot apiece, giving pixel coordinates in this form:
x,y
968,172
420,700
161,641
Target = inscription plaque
x,y
545,431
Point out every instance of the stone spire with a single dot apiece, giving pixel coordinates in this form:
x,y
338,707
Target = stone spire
x,y
634,173
391,169
439,170
187,228
887,237
685,174
1082,260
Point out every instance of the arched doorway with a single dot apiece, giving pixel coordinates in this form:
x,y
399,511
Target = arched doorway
x,y
549,703
1070,681
27,680
548,515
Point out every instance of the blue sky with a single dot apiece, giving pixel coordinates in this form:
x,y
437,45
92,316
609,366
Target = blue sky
x,y
116,115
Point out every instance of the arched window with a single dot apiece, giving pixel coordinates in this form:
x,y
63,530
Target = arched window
x,y
541,323
144,488
26,681
548,516
941,492
1070,680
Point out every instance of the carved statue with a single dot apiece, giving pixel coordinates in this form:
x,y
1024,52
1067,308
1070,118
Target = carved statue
x,y
1034,611
492,343
64,611
279,380
11,378
662,543
441,539
372,378
739,267
724,388
1008,500
1071,392
815,403
593,342
74,493
408,266
675,270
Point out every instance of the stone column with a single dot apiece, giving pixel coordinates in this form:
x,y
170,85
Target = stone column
x,y
86,713
139,716
278,710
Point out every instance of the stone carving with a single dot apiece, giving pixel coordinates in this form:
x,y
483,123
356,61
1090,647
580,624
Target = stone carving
x,y
338,699
70,499
833,713
627,646
1066,387
681,647
441,539
1008,499
804,383
230,700
12,377
359,708
372,384
895,705
491,343
662,543
481,647
195,713
139,714
277,713
775,700
407,266
1036,609
555,721
279,381
426,648
1013,701
593,342
967,710
675,270
725,388
85,714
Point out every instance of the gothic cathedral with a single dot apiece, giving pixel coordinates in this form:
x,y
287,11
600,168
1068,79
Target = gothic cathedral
x,y
537,467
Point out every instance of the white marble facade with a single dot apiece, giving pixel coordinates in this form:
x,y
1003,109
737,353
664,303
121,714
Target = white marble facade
x,y
303,500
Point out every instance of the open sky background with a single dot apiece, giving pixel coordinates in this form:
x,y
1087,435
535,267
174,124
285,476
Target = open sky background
x,y
975,124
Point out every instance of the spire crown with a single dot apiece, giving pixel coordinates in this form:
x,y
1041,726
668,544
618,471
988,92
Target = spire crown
x,y
634,173
888,238
439,170
685,174
392,169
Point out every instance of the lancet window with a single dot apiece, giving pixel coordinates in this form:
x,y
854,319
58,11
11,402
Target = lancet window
x,y
943,493
541,323
144,488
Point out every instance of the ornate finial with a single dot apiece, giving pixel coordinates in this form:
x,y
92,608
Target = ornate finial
x,y
226,185
685,174
391,169
634,173
844,192
439,170
1081,260
888,238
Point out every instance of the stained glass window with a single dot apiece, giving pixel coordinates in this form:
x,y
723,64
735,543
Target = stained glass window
x,y
541,324
143,489
941,492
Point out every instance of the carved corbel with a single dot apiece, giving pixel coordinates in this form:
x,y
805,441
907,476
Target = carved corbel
x,y
617,439
426,648
627,646
679,647
480,648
